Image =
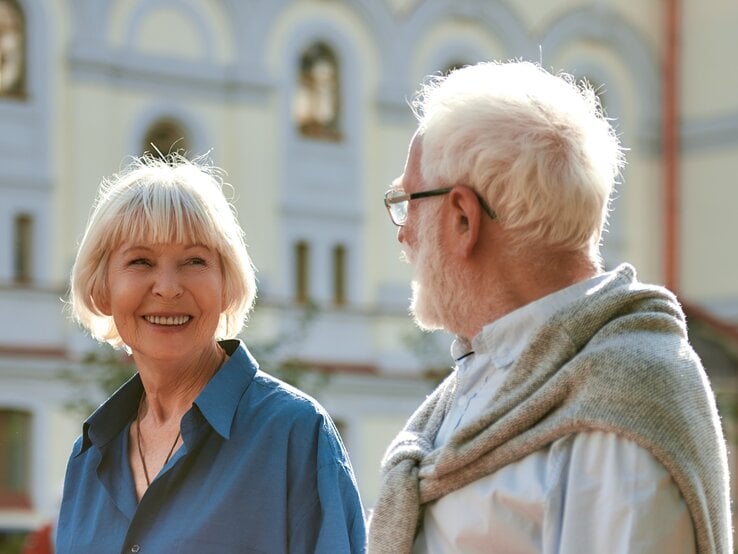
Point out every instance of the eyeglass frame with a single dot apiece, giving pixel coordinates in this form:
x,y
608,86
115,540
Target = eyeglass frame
x,y
406,198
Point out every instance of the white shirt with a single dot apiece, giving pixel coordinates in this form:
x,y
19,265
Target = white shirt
x,y
590,493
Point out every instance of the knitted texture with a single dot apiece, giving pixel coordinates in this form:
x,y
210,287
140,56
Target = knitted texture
x,y
616,360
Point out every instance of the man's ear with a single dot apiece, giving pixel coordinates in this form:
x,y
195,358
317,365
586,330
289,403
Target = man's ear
x,y
467,215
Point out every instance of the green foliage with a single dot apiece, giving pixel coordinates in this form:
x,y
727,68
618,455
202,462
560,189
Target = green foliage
x,y
101,374
431,355
12,543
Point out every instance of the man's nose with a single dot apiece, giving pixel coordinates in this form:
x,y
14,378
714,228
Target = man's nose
x,y
401,234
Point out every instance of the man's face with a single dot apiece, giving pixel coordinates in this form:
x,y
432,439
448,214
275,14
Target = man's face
x,y
423,249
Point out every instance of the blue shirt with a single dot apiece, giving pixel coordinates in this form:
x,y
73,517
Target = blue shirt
x,y
262,469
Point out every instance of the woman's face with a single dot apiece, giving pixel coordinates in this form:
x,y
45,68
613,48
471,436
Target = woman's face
x,y
165,299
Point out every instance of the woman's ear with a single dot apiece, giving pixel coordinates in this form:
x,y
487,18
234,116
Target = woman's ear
x,y
467,214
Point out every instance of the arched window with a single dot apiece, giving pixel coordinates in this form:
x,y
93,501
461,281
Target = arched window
x,y
339,275
12,49
302,272
164,137
22,248
15,459
317,103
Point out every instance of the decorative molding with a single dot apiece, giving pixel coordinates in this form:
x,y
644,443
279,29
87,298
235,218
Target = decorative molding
x,y
93,59
710,133
141,72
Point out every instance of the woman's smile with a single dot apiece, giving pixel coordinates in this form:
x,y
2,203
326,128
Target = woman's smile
x,y
170,321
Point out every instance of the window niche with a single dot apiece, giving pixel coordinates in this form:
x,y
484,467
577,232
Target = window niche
x,y
12,50
22,248
339,275
317,105
165,136
302,272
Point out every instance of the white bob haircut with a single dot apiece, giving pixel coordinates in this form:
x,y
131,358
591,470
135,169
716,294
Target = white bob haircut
x,y
536,146
171,200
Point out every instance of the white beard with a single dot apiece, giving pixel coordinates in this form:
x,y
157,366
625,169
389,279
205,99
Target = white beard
x,y
420,309
433,291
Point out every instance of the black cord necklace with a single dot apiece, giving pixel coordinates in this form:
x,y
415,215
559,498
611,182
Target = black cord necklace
x,y
138,442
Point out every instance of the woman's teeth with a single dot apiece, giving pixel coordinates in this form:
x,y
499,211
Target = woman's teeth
x,y
168,320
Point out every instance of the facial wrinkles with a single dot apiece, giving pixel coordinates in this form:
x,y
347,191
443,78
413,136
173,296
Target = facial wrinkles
x,y
168,287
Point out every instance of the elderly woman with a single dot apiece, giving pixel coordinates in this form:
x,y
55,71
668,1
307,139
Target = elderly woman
x,y
200,451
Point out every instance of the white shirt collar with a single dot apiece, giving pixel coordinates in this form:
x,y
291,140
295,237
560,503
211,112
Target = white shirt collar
x,y
505,339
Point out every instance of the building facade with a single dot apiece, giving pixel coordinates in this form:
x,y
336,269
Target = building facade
x,y
304,104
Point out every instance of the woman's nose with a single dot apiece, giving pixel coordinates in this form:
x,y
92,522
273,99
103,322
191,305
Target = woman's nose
x,y
167,283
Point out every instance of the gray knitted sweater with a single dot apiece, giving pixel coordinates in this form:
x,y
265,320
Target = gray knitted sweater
x,y
616,360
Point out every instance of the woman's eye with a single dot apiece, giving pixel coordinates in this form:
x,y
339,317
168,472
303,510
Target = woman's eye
x,y
197,261
140,261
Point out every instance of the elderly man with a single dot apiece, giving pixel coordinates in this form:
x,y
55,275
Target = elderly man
x,y
578,418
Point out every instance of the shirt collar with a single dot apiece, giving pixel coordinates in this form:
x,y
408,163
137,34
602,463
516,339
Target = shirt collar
x,y
217,402
219,399
113,415
506,338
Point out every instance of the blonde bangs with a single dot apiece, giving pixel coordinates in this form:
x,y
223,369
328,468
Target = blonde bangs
x,y
165,215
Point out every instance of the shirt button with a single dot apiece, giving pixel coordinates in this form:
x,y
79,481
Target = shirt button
x,y
135,548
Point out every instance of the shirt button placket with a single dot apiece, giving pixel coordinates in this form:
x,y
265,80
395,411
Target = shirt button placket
x,y
135,548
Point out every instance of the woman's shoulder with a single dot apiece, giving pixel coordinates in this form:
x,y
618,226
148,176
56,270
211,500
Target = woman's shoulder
x,y
282,400
287,409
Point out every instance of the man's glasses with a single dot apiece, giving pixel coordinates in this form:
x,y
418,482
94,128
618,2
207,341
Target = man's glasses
x,y
397,201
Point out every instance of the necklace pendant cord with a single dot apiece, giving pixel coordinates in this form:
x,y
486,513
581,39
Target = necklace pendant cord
x,y
140,450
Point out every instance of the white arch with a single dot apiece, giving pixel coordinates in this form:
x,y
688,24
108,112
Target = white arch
x,y
606,26
185,7
495,16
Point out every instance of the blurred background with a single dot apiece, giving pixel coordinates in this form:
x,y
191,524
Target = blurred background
x,y
304,104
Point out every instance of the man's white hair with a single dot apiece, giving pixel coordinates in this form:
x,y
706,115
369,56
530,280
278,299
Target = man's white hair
x,y
535,145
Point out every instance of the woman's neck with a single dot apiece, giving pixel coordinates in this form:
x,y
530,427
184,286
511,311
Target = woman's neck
x,y
172,386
